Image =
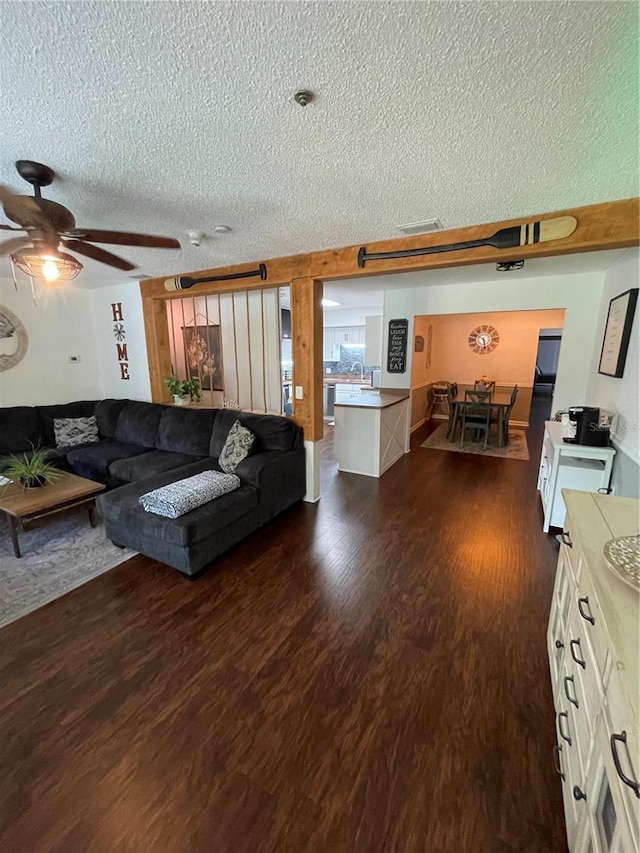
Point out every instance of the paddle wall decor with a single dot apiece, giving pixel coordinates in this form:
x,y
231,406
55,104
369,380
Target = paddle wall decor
x,y
14,340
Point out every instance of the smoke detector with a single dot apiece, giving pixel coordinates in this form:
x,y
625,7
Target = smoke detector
x,y
195,237
421,227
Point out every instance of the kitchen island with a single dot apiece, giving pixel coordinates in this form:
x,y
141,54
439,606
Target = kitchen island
x,y
371,431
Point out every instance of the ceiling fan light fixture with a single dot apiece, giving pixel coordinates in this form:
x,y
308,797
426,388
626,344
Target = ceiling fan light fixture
x,y
48,266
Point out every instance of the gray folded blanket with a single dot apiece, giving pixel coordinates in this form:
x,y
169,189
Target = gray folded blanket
x,y
182,496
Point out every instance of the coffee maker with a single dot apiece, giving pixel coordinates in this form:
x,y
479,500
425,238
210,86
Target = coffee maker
x,y
585,427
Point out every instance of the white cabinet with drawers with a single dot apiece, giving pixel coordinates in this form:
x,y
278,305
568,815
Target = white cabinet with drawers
x,y
569,466
593,643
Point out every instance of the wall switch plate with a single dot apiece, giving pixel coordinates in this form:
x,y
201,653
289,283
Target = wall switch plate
x,y
299,393
74,359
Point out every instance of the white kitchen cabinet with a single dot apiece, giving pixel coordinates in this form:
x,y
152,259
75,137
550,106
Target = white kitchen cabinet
x,y
373,341
569,466
328,343
345,391
349,334
593,643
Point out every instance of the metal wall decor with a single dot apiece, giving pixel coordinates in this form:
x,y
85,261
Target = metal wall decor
x,y
14,340
507,238
184,282
483,339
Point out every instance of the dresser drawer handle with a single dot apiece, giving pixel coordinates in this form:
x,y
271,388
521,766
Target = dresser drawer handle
x,y
572,699
588,616
562,734
566,538
580,661
556,761
578,794
622,737
559,644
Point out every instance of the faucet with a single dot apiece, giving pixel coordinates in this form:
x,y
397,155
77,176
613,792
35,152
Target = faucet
x,y
361,366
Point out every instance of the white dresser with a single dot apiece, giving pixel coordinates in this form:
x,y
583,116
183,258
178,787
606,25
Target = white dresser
x,y
594,655
569,466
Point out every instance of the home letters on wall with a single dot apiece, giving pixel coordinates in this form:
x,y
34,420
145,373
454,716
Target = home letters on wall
x,y
14,340
397,346
120,333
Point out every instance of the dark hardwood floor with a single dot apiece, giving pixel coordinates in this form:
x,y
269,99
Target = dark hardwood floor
x,y
364,675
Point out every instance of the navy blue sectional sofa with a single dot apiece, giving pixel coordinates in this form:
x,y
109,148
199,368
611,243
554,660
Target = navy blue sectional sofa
x,y
144,446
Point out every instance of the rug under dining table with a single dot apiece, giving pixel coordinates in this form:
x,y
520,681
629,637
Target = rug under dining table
x,y
516,448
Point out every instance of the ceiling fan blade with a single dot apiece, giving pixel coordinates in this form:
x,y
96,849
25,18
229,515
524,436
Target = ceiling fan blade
x,y
124,238
10,228
12,245
98,254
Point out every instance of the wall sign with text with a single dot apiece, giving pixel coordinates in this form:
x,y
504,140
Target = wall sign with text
x,y
120,334
397,346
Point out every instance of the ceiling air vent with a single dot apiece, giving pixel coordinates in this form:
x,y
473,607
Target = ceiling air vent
x,y
421,227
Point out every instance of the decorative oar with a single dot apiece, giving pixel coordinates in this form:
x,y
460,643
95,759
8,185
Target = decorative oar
x,y
506,238
183,282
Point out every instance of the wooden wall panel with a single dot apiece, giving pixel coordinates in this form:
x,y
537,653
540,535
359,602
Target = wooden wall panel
x,y
156,329
611,225
306,330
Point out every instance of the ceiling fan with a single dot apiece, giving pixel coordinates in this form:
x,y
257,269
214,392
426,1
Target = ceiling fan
x,y
50,227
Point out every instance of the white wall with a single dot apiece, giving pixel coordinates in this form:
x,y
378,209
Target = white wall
x,y
137,386
59,325
579,294
333,317
620,395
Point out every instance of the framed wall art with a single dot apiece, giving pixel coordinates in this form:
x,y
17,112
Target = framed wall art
x,y
14,340
203,352
617,333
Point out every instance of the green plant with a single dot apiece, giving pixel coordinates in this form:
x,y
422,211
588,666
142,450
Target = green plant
x,y
183,387
32,470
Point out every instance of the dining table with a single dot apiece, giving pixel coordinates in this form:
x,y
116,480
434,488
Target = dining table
x,y
500,401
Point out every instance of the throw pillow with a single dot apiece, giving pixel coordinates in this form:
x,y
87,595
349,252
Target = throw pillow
x,y
236,448
72,431
176,499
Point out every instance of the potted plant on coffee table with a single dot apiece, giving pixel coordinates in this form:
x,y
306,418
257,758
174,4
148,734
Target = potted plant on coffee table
x,y
32,470
183,391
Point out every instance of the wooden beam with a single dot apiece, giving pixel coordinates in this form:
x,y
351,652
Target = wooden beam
x,y
610,225
280,271
306,326
156,328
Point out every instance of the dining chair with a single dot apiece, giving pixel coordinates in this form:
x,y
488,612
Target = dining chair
x,y
507,415
477,415
477,396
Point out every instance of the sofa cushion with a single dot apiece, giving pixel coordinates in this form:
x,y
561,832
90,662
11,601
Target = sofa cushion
x,y
20,429
174,499
70,432
107,412
138,423
185,430
148,463
121,506
272,432
76,409
93,460
236,447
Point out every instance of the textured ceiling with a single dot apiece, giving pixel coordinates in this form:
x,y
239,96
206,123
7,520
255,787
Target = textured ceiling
x,y
162,117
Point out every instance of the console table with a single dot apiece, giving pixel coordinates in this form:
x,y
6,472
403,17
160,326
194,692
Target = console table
x,y
569,466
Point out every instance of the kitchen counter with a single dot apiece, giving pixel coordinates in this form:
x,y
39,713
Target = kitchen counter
x,y
375,400
371,431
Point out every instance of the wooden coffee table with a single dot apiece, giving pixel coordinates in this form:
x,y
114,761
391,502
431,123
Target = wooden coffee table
x,y
24,508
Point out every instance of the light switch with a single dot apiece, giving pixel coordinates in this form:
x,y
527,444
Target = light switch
x,y
299,394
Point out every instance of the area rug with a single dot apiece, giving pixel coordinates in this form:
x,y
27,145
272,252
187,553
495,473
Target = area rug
x,y
516,449
57,557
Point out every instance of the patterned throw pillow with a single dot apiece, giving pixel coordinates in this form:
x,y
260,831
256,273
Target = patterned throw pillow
x,y
175,499
72,431
236,448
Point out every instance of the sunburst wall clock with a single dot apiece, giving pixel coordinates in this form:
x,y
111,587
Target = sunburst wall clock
x,y
483,339
14,340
